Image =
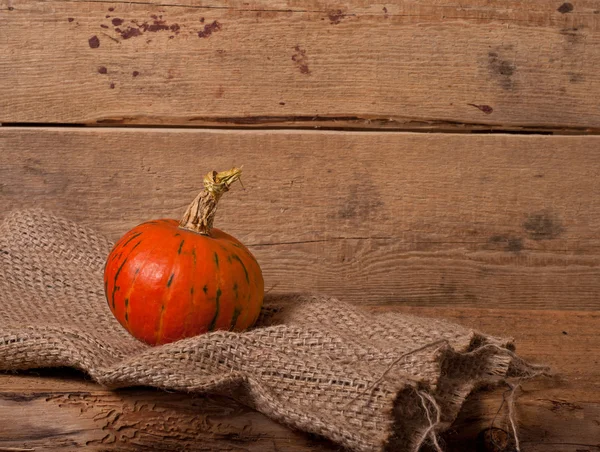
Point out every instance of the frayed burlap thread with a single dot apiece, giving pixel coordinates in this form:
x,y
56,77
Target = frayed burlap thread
x,y
312,362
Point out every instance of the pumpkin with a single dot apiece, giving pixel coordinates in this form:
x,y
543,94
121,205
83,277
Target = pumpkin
x,y
166,280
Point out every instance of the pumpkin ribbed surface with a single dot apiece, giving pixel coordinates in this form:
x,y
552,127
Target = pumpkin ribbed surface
x,y
164,282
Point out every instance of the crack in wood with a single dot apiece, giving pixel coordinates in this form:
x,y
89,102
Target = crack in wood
x,y
353,123
388,15
202,7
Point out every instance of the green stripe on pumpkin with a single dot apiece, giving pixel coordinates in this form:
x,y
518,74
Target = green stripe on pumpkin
x,y
236,313
115,287
137,234
237,258
213,322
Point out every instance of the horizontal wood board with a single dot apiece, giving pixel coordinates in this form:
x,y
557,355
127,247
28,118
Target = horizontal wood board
x,y
51,410
405,65
439,220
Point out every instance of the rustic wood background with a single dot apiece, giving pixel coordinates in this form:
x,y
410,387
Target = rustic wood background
x,y
112,111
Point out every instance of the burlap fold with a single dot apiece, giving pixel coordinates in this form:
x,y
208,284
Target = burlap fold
x,y
314,363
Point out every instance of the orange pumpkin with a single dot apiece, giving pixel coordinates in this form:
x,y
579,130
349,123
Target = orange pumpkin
x,y
166,280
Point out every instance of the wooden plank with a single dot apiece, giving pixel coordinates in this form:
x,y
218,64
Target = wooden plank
x,y
84,415
48,412
403,65
461,220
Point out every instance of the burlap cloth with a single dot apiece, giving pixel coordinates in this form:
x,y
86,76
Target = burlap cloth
x,y
314,363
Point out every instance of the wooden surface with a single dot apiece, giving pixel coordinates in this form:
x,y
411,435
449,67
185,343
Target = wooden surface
x,y
404,65
495,231
63,411
467,220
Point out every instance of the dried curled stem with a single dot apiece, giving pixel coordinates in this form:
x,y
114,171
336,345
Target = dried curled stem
x,y
200,214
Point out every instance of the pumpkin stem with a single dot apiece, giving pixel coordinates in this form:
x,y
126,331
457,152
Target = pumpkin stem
x,y
200,214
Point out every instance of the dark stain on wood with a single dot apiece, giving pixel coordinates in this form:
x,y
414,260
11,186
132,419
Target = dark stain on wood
x,y
209,29
509,242
561,405
484,108
155,26
335,17
35,167
130,32
362,202
94,42
542,226
573,35
102,70
70,19
576,77
158,25
565,8
301,60
501,69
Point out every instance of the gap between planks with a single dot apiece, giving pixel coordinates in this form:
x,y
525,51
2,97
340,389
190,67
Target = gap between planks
x,y
328,125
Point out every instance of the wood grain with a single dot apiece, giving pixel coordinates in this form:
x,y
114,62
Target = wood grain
x,y
58,410
400,65
461,220
134,420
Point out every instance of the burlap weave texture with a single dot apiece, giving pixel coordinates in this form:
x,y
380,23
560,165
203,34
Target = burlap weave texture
x,y
313,362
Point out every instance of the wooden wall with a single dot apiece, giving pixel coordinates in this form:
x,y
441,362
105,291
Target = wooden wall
x,y
440,158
